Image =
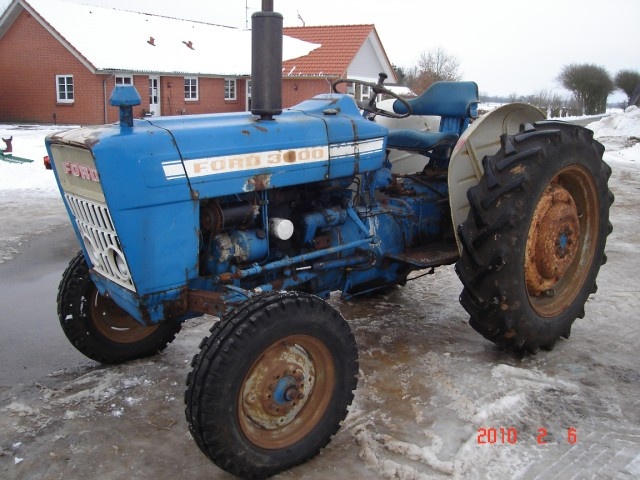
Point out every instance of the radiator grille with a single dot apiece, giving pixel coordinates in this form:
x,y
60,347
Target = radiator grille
x,y
100,240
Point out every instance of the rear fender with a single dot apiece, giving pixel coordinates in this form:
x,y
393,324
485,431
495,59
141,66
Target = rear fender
x,y
480,139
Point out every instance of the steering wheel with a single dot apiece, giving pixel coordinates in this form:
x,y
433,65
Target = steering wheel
x,y
378,88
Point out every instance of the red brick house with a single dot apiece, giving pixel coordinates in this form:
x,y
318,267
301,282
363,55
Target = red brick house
x,y
60,61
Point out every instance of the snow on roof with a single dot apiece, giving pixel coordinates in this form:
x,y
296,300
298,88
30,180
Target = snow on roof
x,y
118,40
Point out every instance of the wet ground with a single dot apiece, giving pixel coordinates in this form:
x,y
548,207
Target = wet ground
x,y
435,400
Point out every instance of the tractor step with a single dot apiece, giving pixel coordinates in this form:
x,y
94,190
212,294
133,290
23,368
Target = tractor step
x,y
429,255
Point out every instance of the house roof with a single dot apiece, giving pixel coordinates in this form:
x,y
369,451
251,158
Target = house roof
x,y
108,39
344,51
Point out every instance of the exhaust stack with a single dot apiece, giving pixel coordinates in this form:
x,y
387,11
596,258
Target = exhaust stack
x,y
266,62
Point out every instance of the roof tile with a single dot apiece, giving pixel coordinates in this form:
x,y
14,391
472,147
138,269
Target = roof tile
x,y
340,44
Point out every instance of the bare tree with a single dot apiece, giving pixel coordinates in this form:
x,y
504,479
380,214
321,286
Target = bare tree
x,y
549,102
433,66
401,74
590,84
627,81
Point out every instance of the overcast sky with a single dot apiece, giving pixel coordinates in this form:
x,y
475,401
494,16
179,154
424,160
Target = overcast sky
x,y
505,46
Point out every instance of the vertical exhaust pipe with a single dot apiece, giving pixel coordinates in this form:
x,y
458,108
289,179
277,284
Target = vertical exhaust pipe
x,y
266,62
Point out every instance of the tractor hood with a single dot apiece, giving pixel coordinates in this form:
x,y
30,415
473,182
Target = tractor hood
x,y
199,156
143,184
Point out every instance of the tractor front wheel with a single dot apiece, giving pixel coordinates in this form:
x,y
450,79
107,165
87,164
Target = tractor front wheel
x,y
271,384
534,240
98,328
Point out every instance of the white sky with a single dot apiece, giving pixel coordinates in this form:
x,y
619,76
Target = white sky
x,y
505,46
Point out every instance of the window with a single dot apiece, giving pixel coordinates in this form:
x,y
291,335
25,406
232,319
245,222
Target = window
x,y
124,80
365,93
64,88
190,88
351,89
229,88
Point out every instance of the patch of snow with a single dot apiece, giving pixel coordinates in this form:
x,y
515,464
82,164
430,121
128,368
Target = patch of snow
x,y
506,403
626,124
530,378
634,467
86,26
71,415
28,142
20,410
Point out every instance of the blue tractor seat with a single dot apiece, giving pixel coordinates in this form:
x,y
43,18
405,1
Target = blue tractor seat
x,y
414,141
456,103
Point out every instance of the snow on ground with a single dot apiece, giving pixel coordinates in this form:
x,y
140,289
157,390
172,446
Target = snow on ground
x,y
28,142
30,202
621,135
434,400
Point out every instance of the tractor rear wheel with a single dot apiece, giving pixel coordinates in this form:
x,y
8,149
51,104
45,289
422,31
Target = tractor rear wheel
x,y
98,328
534,239
271,384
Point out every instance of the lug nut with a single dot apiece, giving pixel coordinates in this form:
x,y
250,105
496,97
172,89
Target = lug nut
x,y
291,394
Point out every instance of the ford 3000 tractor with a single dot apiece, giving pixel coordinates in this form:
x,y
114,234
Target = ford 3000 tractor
x,y
257,217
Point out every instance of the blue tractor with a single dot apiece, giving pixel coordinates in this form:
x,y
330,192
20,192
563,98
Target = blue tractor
x,y
257,217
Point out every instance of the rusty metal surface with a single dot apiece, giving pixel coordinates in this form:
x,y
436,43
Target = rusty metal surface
x,y
286,391
113,322
258,183
553,239
561,241
430,255
203,301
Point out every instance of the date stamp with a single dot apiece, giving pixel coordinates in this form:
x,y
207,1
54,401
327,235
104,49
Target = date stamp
x,y
509,436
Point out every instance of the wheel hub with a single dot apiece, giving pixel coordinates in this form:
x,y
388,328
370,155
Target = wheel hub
x,y
553,241
113,322
278,387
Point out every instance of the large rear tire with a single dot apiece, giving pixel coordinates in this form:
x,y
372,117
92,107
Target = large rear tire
x,y
271,384
534,240
98,328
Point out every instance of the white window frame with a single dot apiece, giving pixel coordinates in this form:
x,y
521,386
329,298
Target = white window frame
x,y
124,80
365,93
63,96
248,94
189,84
230,88
351,89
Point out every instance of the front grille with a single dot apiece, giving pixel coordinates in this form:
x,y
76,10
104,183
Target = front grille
x,y
100,240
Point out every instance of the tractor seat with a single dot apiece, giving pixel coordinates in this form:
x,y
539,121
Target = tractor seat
x,y
405,139
456,103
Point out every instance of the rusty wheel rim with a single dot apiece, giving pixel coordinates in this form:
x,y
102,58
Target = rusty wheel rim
x,y
114,323
561,241
286,392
